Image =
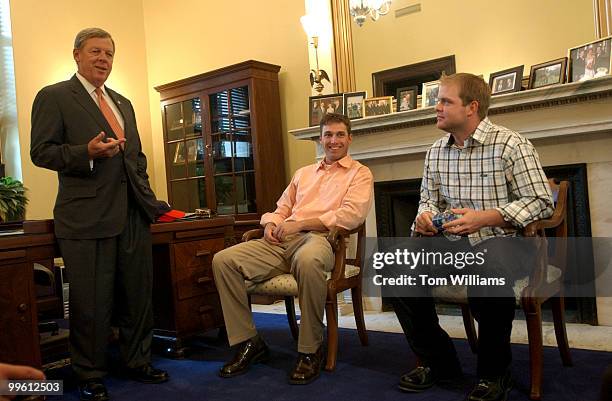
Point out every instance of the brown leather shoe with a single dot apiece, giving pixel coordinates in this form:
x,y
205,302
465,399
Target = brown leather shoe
x,y
307,368
251,351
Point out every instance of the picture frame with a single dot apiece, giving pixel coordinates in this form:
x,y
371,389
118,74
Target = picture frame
x,y
377,106
353,104
506,81
406,98
429,94
320,105
179,153
591,60
548,73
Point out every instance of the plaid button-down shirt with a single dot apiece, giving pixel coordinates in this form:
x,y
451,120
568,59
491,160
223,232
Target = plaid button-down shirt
x,y
495,169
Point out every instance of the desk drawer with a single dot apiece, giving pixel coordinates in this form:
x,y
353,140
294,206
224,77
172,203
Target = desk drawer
x,y
193,266
198,314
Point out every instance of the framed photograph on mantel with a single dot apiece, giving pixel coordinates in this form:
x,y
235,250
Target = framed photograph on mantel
x,y
353,104
548,73
591,60
406,98
378,106
506,81
429,95
318,106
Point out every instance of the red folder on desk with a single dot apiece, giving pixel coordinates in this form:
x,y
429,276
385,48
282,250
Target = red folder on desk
x,y
170,216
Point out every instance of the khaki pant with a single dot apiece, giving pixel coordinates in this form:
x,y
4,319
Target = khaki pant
x,y
307,256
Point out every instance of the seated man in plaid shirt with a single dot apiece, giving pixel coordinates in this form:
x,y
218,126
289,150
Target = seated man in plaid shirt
x,y
492,179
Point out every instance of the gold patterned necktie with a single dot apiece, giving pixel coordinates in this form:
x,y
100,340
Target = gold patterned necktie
x,y
109,115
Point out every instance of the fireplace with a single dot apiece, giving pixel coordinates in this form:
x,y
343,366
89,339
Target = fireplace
x,y
397,204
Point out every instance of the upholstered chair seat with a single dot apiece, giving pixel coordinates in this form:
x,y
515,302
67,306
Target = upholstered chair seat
x,y
458,293
285,284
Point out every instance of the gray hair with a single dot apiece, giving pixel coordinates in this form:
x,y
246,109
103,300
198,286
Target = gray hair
x,y
89,33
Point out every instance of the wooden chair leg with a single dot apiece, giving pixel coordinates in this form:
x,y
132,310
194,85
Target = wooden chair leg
x,y
558,309
331,312
358,311
290,307
534,332
470,328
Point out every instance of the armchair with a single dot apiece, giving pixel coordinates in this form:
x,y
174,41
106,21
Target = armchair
x,y
346,274
544,283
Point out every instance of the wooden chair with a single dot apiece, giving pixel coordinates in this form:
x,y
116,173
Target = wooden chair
x,y
544,283
345,275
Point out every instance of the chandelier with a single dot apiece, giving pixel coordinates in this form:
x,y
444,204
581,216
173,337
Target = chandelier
x,y
360,9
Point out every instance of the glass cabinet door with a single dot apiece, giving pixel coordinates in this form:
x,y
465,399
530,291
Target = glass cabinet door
x,y
232,151
185,154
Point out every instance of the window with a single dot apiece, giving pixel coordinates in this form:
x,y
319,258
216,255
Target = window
x,y
10,159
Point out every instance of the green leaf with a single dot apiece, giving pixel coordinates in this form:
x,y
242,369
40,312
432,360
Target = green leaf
x,y
13,199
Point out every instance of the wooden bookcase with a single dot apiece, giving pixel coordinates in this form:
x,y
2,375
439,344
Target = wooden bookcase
x,y
223,141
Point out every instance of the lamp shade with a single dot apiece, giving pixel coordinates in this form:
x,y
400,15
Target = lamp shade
x,y
311,25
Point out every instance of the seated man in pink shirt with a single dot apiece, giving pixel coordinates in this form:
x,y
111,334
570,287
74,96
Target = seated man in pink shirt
x,y
334,192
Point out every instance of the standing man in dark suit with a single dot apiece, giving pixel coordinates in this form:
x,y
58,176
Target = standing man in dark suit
x,y
87,133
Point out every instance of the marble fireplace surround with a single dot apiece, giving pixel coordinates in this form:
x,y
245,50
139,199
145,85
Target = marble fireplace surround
x,y
568,124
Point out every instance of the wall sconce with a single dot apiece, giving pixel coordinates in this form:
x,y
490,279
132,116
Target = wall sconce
x,y
360,9
312,29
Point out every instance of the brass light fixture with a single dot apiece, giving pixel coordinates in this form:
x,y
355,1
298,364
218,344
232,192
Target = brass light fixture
x,y
310,25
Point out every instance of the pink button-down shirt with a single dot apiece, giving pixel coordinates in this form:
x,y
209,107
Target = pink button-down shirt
x,y
339,195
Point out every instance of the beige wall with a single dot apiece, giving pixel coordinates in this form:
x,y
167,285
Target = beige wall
x,y
157,42
189,37
485,36
43,36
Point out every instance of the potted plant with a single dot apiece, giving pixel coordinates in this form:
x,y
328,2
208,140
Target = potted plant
x,y
13,200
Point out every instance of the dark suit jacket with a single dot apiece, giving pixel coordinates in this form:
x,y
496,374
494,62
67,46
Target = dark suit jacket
x,y
90,203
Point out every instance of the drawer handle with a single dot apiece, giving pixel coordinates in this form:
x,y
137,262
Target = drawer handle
x,y
202,252
204,280
22,307
205,309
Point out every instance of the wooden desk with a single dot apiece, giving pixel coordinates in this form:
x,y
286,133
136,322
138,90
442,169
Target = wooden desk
x,y
19,342
185,299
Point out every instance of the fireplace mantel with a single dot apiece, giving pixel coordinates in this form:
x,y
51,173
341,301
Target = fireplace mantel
x,y
555,111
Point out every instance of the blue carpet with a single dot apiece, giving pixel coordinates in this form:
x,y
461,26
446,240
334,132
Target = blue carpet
x,y
363,373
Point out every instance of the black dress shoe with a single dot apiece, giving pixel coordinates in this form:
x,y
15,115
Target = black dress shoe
x,y
419,379
93,390
423,377
147,374
307,368
251,351
495,389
